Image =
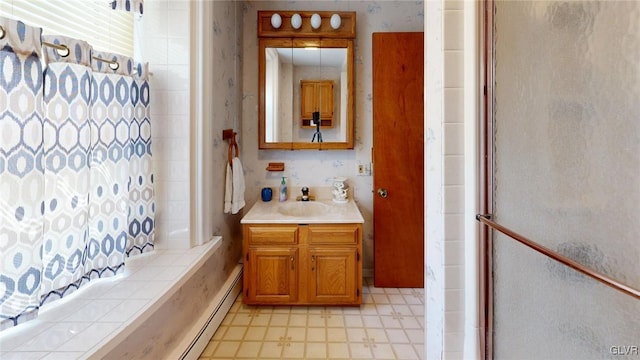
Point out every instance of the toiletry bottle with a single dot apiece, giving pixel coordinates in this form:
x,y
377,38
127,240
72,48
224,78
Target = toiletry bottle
x,y
283,190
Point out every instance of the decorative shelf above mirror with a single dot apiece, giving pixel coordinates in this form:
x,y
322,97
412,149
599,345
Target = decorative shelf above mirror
x,y
306,79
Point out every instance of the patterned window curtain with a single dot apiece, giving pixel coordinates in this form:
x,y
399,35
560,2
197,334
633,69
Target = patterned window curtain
x,y
135,6
111,116
141,191
67,150
76,183
21,172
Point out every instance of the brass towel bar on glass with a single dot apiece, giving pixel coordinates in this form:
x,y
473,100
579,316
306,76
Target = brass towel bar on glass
x,y
63,50
486,219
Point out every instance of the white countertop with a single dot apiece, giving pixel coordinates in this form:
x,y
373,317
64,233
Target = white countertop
x,y
303,212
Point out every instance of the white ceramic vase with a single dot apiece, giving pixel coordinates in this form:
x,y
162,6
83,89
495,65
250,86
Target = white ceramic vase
x,y
340,190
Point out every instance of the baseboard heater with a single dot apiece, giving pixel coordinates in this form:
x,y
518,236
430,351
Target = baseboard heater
x,y
227,297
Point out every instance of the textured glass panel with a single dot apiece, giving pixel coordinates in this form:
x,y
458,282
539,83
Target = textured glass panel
x,y
567,174
544,310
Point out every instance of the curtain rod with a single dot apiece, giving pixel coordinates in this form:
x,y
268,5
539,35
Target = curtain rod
x,y
113,65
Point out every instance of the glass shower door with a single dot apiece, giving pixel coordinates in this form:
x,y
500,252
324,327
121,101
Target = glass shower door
x,y
566,174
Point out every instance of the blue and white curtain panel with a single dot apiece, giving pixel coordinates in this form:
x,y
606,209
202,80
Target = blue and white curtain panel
x,y
22,180
134,6
76,181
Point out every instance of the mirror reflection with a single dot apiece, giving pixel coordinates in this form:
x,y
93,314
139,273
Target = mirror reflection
x,y
306,94
300,82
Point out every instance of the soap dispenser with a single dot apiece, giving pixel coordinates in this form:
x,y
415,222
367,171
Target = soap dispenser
x,y
283,190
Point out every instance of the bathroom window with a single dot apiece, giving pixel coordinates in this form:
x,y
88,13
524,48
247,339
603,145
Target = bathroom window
x,y
89,20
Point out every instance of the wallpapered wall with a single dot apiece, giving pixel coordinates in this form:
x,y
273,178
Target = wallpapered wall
x,y
311,167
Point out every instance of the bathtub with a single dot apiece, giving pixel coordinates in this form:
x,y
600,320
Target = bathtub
x,y
165,305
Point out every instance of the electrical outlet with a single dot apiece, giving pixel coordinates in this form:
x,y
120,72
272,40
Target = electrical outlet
x,y
363,168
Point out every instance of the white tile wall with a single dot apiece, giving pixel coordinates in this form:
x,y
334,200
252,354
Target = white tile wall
x,y
453,106
454,169
453,33
454,227
453,252
453,48
453,59
165,45
454,138
453,199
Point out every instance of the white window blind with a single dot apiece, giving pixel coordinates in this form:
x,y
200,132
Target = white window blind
x,y
90,20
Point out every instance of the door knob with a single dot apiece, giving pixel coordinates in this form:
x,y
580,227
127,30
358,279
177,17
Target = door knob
x,y
382,192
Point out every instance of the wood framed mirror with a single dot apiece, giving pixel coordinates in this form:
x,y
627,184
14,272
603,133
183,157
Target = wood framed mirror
x,y
306,82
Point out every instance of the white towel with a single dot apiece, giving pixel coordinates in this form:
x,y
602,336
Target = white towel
x,y
228,189
237,197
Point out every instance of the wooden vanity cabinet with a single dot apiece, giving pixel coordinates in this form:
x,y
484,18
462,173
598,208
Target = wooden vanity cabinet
x,y
316,95
315,264
271,264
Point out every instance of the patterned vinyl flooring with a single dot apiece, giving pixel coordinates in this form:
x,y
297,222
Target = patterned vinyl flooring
x,y
388,325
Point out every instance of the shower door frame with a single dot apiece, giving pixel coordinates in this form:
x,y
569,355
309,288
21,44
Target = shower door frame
x,y
486,167
486,196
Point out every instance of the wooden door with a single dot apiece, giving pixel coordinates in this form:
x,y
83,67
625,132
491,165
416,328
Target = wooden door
x,y
273,275
398,155
332,275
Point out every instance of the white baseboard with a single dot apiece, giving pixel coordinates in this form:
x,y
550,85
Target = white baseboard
x,y
212,318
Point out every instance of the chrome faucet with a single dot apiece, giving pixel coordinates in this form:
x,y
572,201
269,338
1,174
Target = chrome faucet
x,y
305,193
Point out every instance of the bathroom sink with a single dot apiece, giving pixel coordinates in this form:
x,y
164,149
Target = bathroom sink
x,y
322,210
303,209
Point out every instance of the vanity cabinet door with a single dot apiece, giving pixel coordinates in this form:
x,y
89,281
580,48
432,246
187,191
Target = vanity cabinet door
x,y
316,95
325,100
307,99
272,275
332,276
302,264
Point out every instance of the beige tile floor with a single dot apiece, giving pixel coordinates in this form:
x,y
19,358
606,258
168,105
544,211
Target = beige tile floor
x,y
388,325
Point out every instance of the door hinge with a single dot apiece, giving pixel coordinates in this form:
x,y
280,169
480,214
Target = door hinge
x,y
485,90
357,292
247,293
247,257
358,256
